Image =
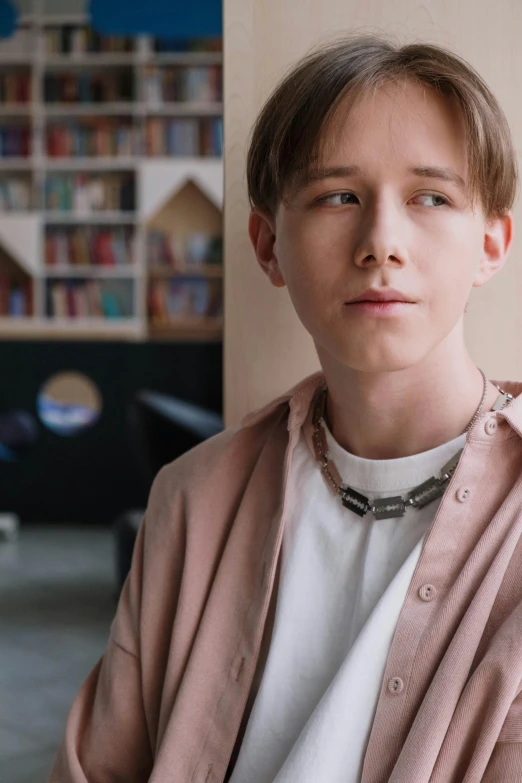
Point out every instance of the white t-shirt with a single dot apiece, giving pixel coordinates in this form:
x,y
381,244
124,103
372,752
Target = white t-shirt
x,y
343,582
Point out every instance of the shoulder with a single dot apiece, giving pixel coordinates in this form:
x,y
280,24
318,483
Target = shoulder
x,y
195,500
233,451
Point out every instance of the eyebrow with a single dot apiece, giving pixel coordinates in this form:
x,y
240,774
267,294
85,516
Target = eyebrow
x,y
312,175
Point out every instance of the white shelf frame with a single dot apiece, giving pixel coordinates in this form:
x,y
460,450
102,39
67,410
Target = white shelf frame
x,y
91,271
101,218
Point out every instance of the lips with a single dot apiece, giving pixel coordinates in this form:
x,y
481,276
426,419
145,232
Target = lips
x,y
376,309
380,295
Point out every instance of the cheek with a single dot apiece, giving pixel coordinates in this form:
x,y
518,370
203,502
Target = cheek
x,y
316,255
302,264
317,233
447,291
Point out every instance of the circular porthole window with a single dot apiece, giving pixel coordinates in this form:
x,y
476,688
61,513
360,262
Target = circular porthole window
x,y
69,403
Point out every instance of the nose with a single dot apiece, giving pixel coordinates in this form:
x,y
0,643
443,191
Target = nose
x,y
381,234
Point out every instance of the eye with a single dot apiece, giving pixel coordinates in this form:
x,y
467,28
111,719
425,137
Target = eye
x,y
435,195
345,195
342,195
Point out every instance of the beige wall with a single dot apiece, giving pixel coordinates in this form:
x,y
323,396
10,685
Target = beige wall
x,y
266,349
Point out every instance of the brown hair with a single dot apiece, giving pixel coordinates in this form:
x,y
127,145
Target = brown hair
x,y
291,129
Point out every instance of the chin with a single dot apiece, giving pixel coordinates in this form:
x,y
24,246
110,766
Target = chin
x,y
360,359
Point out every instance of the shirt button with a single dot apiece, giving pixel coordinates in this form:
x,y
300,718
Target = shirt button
x,y
395,685
463,494
427,592
490,426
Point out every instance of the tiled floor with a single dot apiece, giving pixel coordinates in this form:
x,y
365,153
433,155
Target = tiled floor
x,y
57,600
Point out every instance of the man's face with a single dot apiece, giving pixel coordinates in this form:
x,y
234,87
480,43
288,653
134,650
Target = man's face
x,y
384,227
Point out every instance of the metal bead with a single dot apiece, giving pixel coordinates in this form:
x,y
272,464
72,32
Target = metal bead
x,y
477,412
335,473
331,486
320,443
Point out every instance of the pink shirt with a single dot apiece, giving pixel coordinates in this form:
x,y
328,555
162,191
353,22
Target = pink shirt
x,y
170,699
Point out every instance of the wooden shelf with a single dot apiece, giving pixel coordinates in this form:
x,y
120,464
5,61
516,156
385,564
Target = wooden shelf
x,y
15,59
90,60
16,164
206,270
98,109
69,329
86,270
184,58
15,110
95,218
165,109
182,109
188,329
109,162
117,59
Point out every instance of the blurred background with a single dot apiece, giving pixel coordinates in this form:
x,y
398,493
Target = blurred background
x,y
111,320
122,341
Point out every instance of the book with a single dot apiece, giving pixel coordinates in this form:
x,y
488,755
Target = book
x,y
85,193
110,305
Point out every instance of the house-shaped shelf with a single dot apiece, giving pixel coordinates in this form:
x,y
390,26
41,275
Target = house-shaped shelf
x,y
161,179
179,200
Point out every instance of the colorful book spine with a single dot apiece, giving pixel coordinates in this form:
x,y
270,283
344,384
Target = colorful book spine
x,y
88,246
15,141
15,194
183,83
170,45
115,85
15,87
74,39
85,299
87,193
184,136
16,298
91,138
175,299
183,253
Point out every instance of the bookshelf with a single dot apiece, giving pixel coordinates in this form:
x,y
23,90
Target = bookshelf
x,y
106,141
182,217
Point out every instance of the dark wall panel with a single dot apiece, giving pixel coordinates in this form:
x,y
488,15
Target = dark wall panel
x,y
91,478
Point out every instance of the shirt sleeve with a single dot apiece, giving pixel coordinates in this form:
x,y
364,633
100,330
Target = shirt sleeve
x,y
106,736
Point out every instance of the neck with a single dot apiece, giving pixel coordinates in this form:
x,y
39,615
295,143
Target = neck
x,y
388,415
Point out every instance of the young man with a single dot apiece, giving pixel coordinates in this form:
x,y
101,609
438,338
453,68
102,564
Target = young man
x,y
331,591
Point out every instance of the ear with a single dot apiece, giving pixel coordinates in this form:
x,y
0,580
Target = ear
x,y
261,230
497,242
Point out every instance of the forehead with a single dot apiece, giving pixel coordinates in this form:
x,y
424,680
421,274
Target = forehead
x,y
395,120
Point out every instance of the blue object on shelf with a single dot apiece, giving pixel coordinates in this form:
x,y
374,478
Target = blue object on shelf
x,y
163,18
8,18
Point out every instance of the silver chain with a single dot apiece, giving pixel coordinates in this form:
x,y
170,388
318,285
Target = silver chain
x,y
477,412
384,508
